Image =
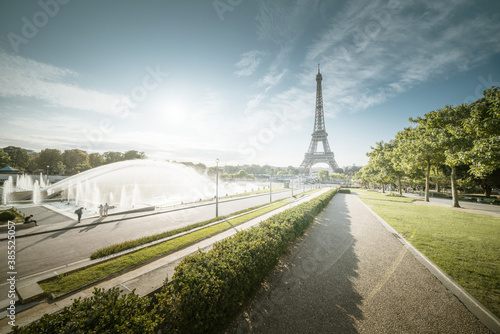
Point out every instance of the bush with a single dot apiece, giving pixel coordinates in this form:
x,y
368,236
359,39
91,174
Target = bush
x,y
344,191
105,312
208,289
7,215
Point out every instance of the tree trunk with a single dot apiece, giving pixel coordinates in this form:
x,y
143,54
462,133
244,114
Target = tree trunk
x,y
427,181
399,185
383,188
454,191
487,190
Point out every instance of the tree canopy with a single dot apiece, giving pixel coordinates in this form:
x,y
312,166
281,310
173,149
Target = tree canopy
x,y
452,139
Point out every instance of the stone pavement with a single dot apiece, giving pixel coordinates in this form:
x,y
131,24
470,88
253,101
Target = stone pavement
x,y
351,274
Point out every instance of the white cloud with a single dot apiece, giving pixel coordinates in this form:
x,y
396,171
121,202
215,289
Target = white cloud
x,y
26,78
249,62
373,51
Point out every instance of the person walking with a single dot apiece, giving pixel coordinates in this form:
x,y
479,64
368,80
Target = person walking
x,y
79,213
29,219
106,208
101,210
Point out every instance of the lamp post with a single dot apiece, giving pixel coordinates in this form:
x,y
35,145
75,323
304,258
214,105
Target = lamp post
x,y
217,188
292,186
47,173
271,187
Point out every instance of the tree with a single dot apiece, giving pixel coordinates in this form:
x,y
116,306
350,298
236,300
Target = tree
x,y
338,177
112,157
73,158
49,157
348,170
60,167
418,150
19,158
131,155
366,174
323,175
483,126
96,160
383,170
242,174
4,159
451,136
290,170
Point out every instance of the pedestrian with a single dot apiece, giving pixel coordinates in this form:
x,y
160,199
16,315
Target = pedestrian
x,y
106,208
101,210
79,213
30,219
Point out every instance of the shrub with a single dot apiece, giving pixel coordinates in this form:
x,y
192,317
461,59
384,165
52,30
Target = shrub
x,y
105,312
6,215
208,289
344,191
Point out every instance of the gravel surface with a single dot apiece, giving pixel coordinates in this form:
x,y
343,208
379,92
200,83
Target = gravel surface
x,y
348,274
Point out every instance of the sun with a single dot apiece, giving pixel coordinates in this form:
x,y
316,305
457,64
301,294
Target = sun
x,y
175,110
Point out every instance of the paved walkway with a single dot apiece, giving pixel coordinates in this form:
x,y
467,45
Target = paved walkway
x,y
351,275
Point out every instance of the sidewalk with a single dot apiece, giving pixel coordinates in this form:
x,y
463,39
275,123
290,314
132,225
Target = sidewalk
x,y
351,274
145,279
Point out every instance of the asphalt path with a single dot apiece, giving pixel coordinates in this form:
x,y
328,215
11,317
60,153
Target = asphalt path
x,y
349,274
463,204
42,252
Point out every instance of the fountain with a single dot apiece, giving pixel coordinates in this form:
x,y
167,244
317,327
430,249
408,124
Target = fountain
x,y
24,182
36,192
140,183
7,189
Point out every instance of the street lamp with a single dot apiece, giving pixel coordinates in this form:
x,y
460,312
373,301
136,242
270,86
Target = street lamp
x,y
271,187
47,173
217,188
292,186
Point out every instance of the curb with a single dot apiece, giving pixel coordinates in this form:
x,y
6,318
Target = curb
x,y
472,304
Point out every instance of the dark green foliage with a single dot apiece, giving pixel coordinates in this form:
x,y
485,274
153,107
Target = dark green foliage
x,y
105,312
344,191
208,289
6,215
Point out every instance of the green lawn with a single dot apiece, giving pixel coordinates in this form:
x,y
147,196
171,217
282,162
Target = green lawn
x,y
68,282
375,195
464,245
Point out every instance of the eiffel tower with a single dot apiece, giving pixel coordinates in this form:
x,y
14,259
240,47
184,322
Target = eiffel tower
x,y
313,157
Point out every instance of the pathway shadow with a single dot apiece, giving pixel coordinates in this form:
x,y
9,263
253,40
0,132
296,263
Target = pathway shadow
x,y
313,292
92,225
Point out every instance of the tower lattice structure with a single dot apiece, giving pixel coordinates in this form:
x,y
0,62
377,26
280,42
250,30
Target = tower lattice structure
x,y
319,134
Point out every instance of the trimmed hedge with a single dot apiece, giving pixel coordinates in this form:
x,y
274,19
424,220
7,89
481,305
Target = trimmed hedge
x,y
105,312
7,215
209,289
116,248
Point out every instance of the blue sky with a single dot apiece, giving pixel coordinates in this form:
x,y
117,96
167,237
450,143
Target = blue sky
x,y
193,80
